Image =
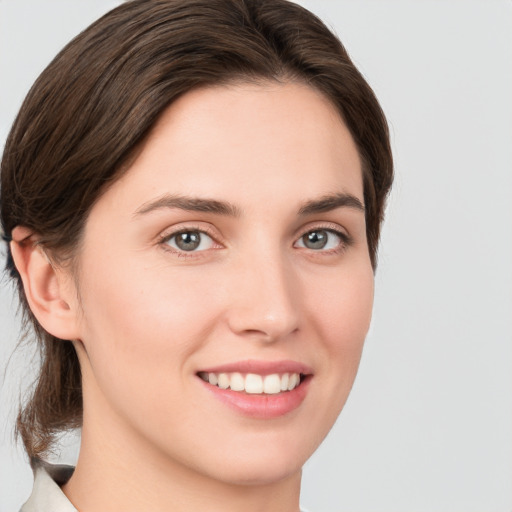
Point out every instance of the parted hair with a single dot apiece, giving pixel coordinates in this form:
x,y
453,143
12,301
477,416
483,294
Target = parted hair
x,y
96,102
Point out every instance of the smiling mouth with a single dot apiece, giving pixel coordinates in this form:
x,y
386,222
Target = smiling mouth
x,y
252,383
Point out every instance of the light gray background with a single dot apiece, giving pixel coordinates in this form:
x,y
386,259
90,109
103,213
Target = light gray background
x,y
428,426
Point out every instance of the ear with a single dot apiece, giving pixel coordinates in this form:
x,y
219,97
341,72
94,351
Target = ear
x,y
50,291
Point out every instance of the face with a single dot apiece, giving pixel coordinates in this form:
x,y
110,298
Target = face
x,y
226,287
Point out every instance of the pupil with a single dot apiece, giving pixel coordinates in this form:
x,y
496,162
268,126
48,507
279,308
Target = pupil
x,y
315,239
188,241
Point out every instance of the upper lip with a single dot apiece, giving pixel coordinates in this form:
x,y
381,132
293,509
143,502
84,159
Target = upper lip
x,y
260,367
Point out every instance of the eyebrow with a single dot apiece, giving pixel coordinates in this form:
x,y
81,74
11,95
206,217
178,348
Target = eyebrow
x,y
193,204
196,204
331,202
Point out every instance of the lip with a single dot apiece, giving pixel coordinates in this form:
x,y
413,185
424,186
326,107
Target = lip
x,y
260,367
262,406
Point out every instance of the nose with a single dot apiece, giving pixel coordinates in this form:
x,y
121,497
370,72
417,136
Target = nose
x,y
265,300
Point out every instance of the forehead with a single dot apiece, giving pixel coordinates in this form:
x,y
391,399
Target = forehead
x,y
247,141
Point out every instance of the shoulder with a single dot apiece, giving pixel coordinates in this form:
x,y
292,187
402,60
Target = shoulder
x,y
47,495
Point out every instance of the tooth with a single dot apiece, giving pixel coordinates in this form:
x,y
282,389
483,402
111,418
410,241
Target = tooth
x,y
272,384
223,381
294,380
253,383
237,382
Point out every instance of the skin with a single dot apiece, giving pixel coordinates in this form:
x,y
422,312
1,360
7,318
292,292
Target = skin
x,y
146,317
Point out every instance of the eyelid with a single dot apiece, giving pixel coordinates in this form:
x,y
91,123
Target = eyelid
x,y
328,226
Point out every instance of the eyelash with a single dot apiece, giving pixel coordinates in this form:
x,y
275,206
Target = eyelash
x,y
345,240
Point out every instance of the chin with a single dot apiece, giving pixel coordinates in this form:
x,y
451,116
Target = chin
x,y
265,461
259,473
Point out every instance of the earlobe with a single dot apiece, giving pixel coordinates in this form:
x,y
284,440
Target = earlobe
x,y
46,287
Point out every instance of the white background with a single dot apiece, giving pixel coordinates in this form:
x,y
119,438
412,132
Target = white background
x,y
428,426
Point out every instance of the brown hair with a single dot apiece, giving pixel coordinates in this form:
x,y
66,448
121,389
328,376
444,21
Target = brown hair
x,y
98,100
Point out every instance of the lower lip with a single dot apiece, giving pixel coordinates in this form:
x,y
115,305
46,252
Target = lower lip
x,y
261,406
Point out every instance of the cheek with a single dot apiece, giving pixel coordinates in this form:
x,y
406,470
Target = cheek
x,y
343,307
143,325
140,333
339,313
342,315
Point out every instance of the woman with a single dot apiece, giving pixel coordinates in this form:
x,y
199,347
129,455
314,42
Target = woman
x,y
193,193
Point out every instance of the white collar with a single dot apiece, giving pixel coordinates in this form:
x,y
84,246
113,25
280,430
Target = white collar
x,y
47,496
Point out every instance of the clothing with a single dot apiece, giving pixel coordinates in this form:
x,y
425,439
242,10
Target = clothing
x,y
47,495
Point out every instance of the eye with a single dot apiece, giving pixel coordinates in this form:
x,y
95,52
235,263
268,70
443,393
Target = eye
x,y
321,240
189,241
